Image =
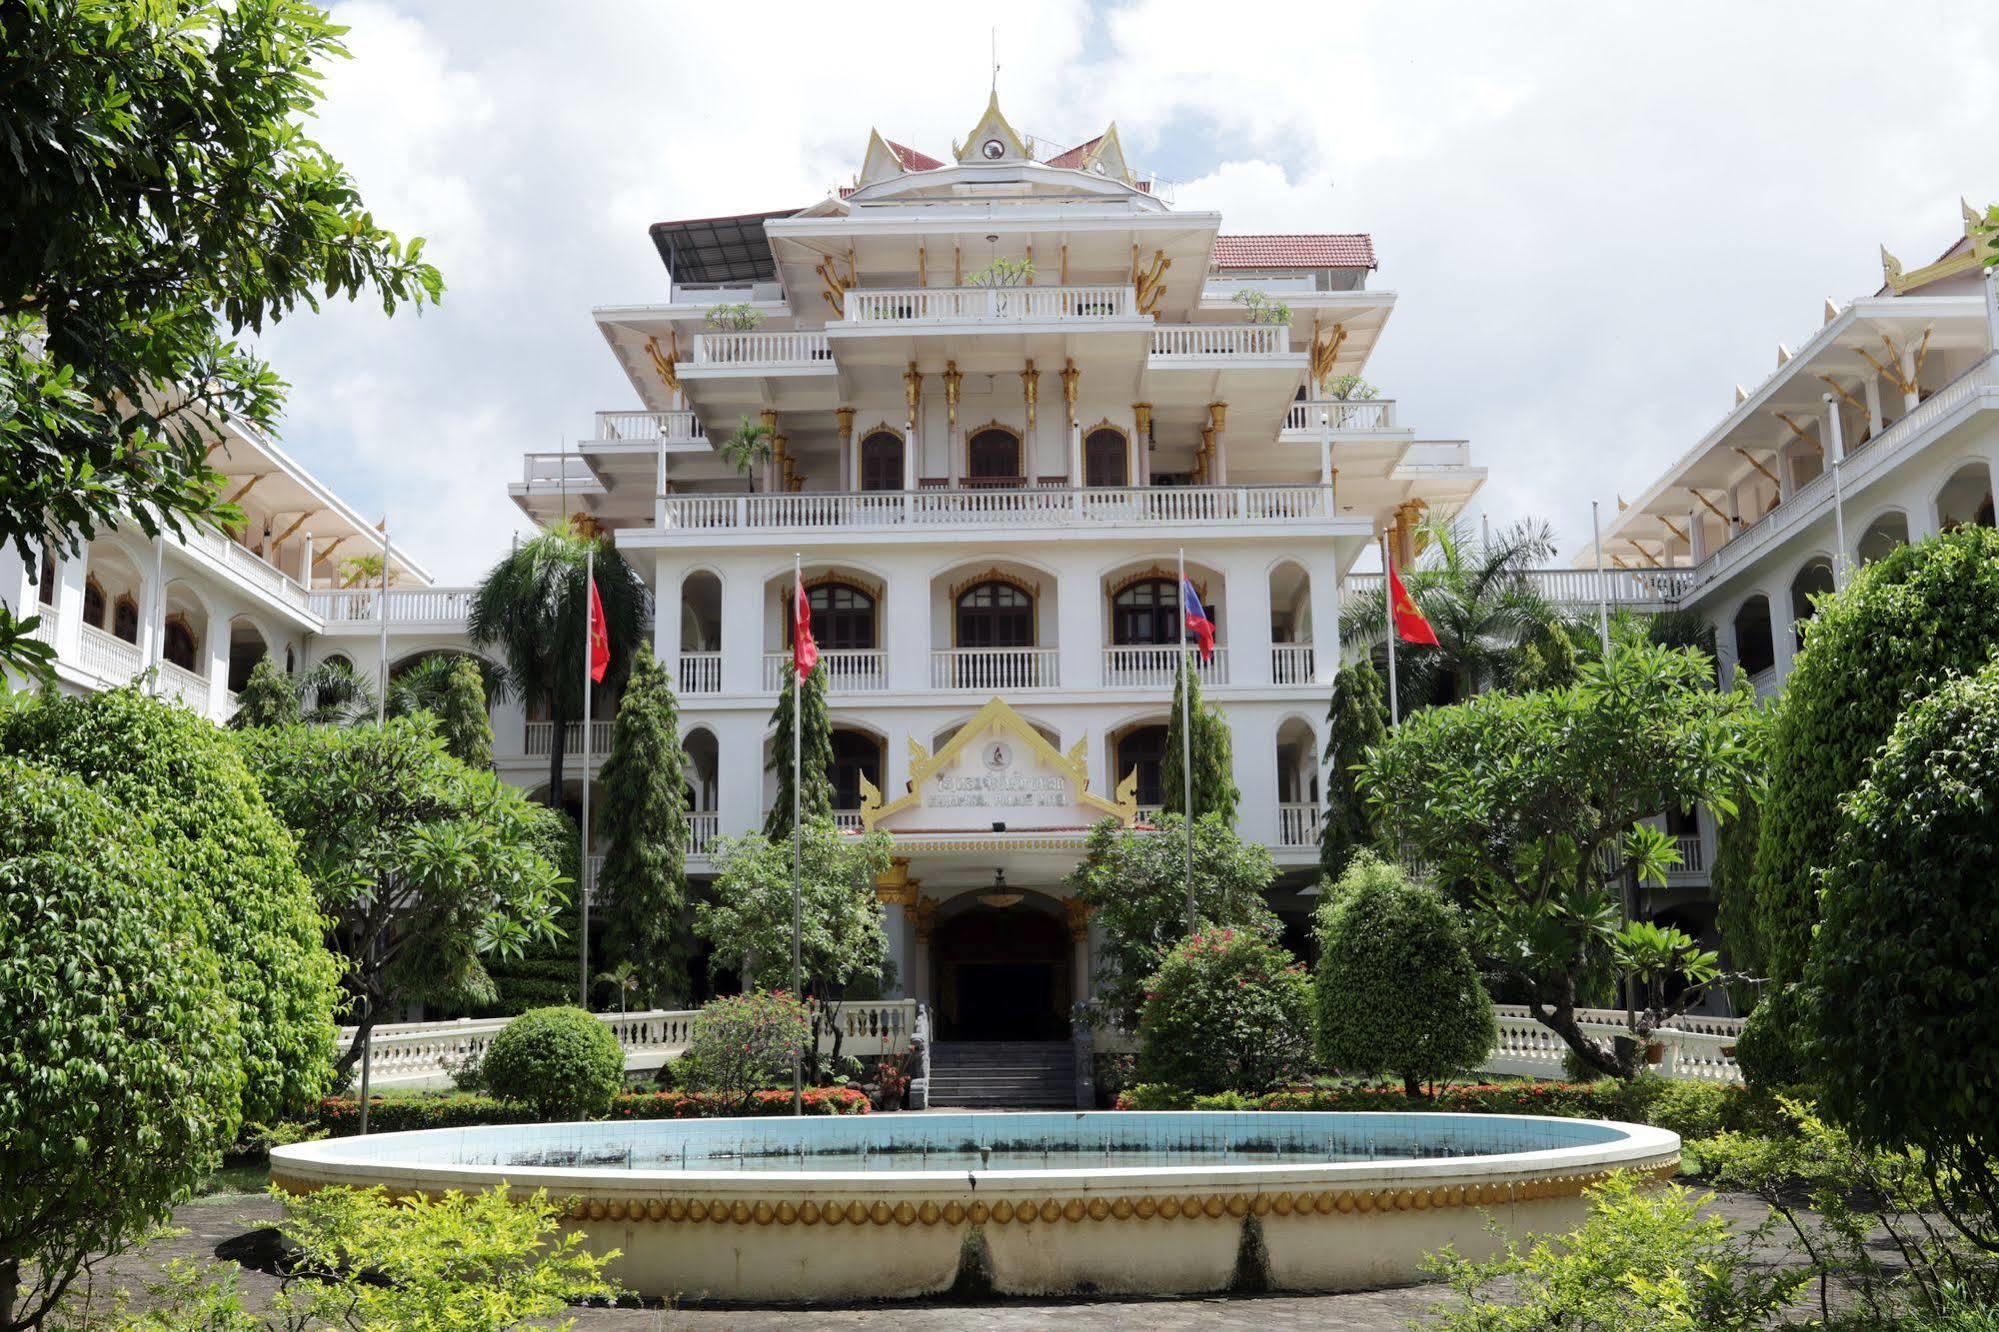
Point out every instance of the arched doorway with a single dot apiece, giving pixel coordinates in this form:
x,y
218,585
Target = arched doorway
x,y
1755,650
1002,974
1142,749
881,461
1106,458
1885,533
1966,498
1813,581
856,756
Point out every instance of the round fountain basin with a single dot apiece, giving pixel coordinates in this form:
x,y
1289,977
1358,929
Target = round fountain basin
x,y
889,1207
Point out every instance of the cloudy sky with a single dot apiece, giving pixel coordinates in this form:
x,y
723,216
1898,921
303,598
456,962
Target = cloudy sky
x,y
1598,217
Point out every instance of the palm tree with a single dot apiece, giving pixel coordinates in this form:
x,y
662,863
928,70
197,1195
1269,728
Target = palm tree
x,y
532,607
749,448
1476,595
424,684
333,693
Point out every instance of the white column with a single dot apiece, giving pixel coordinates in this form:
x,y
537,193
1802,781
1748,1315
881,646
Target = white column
x,y
215,653
19,582
1992,308
1325,448
1873,392
70,576
739,775
906,605
1911,398
1075,454
1783,631
666,580
1696,541
895,924
1325,595
910,448
1079,636
305,563
1247,608
952,444
153,609
742,632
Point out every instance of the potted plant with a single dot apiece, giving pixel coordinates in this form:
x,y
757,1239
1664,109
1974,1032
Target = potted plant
x,y
1262,309
740,317
748,448
999,275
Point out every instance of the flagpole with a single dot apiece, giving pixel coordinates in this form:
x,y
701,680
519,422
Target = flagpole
x,y
1388,607
583,938
1186,740
1602,595
797,772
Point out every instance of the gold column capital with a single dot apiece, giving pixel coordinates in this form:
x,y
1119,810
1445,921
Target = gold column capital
x,y
1071,376
844,416
1141,417
952,380
1030,383
1078,913
912,388
1218,416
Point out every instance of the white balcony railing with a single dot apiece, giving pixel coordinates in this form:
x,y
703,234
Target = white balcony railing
x,y
1297,824
1696,1046
993,668
700,672
557,469
1212,340
1373,414
540,736
703,827
1157,667
405,605
1693,855
1096,507
1291,663
245,564
107,656
988,305
847,820
1572,587
45,627
648,427
185,685
848,670
779,350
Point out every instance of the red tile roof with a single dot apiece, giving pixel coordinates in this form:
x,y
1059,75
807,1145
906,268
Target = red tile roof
x,y
1322,250
911,159
1074,157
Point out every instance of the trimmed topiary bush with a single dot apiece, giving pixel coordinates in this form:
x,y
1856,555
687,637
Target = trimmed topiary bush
x,y
1894,634
1397,990
1770,1050
179,780
1899,995
1228,1010
120,1081
562,1062
742,1043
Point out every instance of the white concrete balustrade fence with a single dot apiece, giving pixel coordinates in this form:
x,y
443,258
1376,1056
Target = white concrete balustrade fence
x,y
993,668
762,349
845,512
1370,414
1211,340
649,427
986,305
1643,588
405,605
1158,666
848,670
1694,1045
421,1055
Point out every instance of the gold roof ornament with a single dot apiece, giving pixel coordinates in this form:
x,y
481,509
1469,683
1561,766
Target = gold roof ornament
x,y
1979,247
993,139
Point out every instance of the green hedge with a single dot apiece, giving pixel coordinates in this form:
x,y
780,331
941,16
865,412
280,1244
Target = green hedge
x,y
1690,1109
562,1061
339,1115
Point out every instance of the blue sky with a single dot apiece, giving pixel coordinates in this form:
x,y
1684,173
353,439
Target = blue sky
x,y
1598,218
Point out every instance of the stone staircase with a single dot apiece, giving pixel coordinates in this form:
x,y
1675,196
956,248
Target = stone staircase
x,y
1009,1075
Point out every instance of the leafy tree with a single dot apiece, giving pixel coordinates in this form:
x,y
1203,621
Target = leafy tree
x,y
1898,992
268,698
747,918
1136,882
1478,599
544,972
643,883
748,448
121,1079
1902,626
534,607
1212,753
741,1045
422,864
1228,1010
179,781
1520,801
1548,661
425,684
1731,878
158,196
815,743
560,1060
1357,721
1397,989
333,693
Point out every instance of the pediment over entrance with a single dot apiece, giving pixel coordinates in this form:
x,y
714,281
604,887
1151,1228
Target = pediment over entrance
x,y
997,769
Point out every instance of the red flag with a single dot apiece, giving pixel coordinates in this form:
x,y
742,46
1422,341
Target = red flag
x,y
1410,624
600,637
804,648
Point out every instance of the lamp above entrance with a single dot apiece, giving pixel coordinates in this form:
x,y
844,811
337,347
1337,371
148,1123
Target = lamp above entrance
x,y
998,897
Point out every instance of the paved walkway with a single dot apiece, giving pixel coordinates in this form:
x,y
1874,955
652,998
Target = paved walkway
x,y
212,1220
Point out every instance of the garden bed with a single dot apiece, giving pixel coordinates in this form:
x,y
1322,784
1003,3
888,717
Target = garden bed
x,y
339,1116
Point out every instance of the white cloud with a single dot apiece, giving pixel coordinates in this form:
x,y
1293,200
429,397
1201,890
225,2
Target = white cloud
x,y
1597,219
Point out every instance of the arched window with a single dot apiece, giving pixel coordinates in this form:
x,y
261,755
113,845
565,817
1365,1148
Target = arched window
x,y
995,614
1814,580
1966,500
125,618
855,755
93,602
1106,459
843,617
1755,652
1144,749
1147,612
1883,535
47,587
179,646
992,457
881,461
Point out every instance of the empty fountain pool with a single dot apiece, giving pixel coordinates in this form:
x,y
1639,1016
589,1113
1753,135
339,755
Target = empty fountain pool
x,y
837,1209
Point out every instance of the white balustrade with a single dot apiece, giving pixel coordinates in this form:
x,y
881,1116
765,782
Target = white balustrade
x,y
703,827
540,735
45,627
558,469
1297,824
1572,587
245,564
848,670
978,507
1693,856
185,685
980,305
1291,663
1693,1045
361,605
1210,340
1366,414
648,427
700,672
848,820
1156,667
763,349
993,668
418,1055
107,656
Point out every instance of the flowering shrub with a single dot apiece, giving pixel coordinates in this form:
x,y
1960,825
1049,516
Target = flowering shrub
x,y
1228,1010
338,1115
742,1042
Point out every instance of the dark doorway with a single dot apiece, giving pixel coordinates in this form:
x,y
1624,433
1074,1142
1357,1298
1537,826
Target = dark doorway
x,y
881,461
1002,974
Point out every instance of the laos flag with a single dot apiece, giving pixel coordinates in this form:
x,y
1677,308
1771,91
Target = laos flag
x,y
1196,618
